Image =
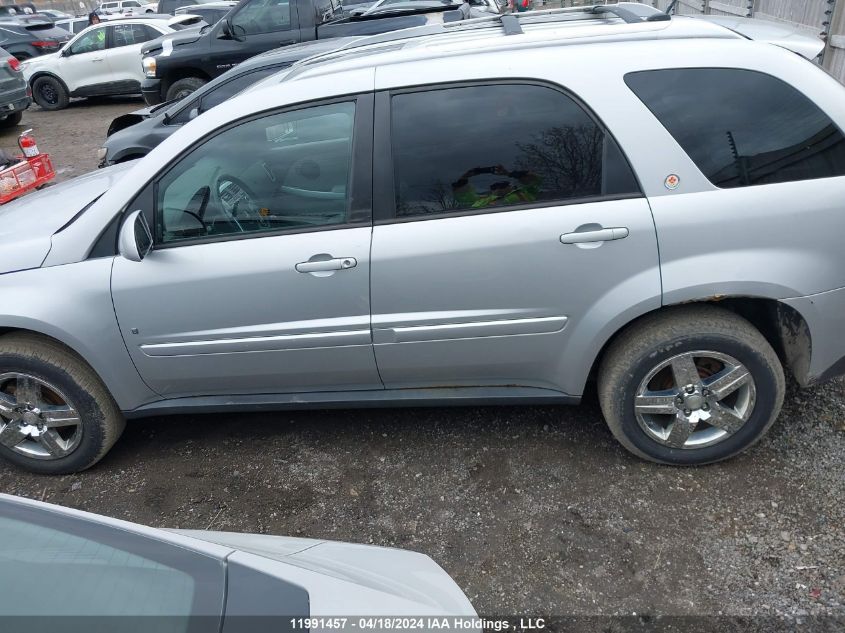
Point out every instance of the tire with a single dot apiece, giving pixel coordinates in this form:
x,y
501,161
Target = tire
x,y
12,120
50,93
636,363
181,88
95,419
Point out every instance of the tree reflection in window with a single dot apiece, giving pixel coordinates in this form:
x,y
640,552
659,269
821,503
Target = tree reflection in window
x,y
488,147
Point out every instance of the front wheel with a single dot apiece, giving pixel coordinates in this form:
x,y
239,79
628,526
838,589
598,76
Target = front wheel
x,y
50,93
56,416
181,88
690,386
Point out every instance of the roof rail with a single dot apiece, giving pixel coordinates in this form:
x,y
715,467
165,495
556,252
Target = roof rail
x,y
510,23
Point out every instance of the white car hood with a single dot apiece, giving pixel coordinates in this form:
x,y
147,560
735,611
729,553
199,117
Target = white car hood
x,y
28,223
410,576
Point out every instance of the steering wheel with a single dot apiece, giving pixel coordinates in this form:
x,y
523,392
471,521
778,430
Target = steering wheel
x,y
237,200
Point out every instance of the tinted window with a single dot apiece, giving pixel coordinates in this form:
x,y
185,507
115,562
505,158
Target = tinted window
x,y
742,127
92,41
285,171
495,146
129,34
89,569
263,16
231,88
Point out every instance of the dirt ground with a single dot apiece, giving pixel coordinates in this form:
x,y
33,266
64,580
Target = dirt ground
x,y
531,510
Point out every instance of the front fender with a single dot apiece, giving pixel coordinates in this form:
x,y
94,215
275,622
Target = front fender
x,y
72,304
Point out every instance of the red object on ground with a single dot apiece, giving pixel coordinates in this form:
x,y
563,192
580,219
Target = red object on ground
x,y
34,170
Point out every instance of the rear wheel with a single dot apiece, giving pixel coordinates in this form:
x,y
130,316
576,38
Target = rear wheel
x,y
50,93
690,386
56,416
12,120
183,87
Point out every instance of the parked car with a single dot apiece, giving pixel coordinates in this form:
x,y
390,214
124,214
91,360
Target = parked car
x,y
28,37
55,15
178,65
405,223
170,6
101,60
117,575
127,7
210,12
73,25
14,93
132,136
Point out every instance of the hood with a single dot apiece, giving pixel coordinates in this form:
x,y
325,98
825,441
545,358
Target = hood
x,y
29,65
167,42
785,35
407,575
28,223
128,120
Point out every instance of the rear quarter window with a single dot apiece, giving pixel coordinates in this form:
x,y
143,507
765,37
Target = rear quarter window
x,y
742,127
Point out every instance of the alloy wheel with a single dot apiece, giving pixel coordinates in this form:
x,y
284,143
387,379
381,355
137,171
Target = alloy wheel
x,y
695,399
36,419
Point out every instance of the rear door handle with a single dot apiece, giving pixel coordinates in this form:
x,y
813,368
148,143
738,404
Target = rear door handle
x,y
601,235
321,265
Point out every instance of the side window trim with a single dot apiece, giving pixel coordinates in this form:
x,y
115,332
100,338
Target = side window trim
x,y
384,195
361,193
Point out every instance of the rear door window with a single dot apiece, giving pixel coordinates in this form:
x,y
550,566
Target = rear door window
x,y
494,146
741,127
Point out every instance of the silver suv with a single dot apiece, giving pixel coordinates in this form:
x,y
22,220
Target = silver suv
x,y
495,213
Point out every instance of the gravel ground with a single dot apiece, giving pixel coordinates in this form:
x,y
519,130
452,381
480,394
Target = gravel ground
x,y
532,510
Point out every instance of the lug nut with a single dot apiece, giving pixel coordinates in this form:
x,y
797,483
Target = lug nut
x,y
687,412
690,389
705,407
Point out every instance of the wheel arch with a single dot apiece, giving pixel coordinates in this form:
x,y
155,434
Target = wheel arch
x,y
785,329
45,73
124,394
176,74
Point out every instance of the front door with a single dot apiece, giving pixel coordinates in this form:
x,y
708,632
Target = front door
x,y
85,67
257,26
259,277
512,231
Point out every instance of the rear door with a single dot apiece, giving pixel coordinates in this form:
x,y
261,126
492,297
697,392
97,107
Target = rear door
x,y
509,229
124,54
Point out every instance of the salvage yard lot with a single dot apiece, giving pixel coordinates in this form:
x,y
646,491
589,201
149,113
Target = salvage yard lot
x,y
531,510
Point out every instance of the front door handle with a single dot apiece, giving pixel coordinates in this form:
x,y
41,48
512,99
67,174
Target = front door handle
x,y
600,235
322,265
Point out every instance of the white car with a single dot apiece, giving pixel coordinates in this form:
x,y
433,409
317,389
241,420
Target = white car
x,y
73,25
114,575
120,8
104,59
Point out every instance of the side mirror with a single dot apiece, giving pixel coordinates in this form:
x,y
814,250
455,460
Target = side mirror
x,y
225,32
65,52
135,240
238,32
